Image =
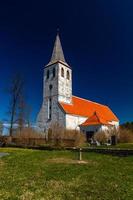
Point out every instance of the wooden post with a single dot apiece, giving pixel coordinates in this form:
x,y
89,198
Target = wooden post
x,y
80,154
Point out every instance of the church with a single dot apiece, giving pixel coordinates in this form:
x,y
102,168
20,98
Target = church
x,y
62,107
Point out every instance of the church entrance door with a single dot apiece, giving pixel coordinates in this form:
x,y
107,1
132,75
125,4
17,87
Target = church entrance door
x,y
89,135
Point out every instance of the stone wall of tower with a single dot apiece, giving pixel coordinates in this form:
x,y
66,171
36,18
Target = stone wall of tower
x,y
64,84
61,86
57,88
58,116
50,81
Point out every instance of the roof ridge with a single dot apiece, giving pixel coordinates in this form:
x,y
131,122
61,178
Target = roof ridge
x,y
102,118
95,113
90,101
99,119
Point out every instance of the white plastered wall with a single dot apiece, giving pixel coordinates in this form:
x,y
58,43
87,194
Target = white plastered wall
x,y
96,128
73,121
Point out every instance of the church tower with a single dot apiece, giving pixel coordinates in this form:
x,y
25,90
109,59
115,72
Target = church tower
x,y
58,75
57,87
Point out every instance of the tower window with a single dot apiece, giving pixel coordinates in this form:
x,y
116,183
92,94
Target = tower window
x,y
50,87
68,75
47,74
62,72
53,72
49,108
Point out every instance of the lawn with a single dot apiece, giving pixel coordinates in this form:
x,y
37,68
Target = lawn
x,y
55,175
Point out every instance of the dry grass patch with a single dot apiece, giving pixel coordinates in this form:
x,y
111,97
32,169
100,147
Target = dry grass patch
x,y
69,161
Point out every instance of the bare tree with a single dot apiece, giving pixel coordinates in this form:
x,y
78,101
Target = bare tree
x,y
1,128
15,92
21,112
28,111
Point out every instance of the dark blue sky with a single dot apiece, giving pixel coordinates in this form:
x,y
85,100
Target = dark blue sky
x,y
97,38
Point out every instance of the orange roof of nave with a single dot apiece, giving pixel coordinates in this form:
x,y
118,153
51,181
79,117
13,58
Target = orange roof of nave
x,y
86,108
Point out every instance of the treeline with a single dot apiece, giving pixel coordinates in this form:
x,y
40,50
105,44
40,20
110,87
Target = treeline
x,y
127,125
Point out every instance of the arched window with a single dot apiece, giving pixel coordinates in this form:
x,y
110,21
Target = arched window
x,y
47,74
53,72
68,75
62,72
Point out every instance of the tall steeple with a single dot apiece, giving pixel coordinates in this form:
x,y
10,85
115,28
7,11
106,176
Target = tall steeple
x,y
57,54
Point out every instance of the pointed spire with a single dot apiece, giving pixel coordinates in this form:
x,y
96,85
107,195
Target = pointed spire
x,y
57,54
57,51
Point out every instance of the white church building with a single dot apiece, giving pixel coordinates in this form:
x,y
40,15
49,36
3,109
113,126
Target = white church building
x,y
60,106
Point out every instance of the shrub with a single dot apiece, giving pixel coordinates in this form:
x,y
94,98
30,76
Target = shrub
x,y
101,137
78,137
112,131
60,137
28,136
28,133
125,136
55,134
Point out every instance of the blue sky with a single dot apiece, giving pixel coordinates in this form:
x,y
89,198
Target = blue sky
x,y
97,39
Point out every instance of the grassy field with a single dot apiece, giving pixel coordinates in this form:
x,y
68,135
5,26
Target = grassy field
x,y
125,145
118,146
56,175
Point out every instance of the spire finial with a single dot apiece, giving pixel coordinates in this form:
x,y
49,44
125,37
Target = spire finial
x,y
58,30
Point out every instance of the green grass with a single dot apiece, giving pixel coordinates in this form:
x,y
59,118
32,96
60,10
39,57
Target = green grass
x,y
125,145
118,146
42,175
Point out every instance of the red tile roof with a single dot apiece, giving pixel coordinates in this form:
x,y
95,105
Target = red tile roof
x,y
86,108
95,120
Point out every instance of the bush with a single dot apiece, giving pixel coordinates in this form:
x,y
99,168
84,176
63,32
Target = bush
x,y
78,137
125,136
28,133
28,136
59,137
101,137
55,135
